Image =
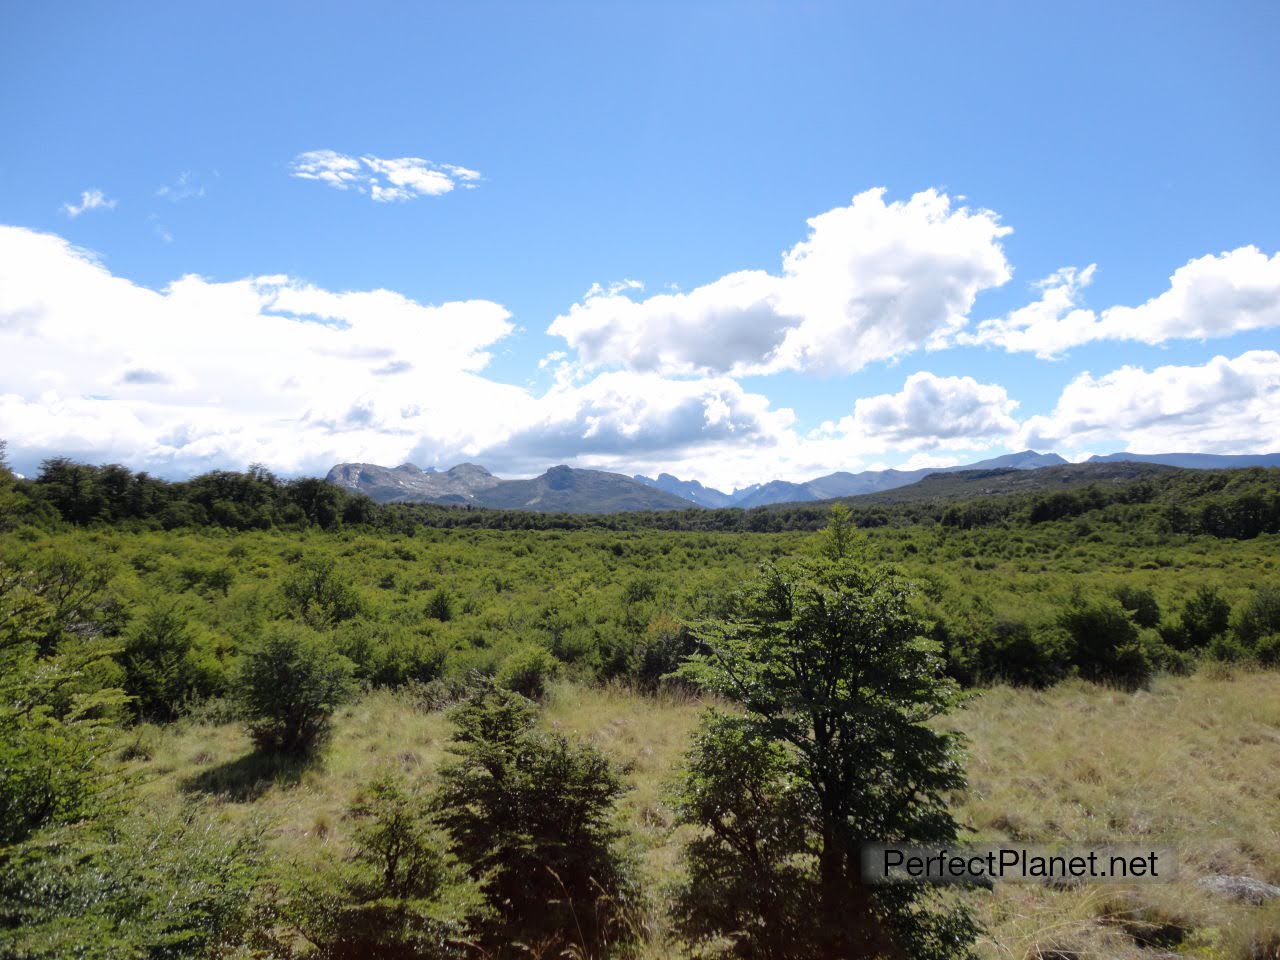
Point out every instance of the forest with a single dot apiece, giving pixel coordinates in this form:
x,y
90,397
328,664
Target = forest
x,y
248,717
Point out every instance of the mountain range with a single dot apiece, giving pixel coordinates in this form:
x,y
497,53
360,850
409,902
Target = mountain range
x,y
565,489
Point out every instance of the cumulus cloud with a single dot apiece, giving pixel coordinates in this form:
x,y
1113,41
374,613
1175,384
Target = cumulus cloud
x,y
382,179
263,368
1227,405
1212,296
623,418
872,281
89,200
930,410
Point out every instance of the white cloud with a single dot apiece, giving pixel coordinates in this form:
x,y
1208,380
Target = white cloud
x,y
930,410
1227,405
384,180
1213,296
264,368
872,281
89,200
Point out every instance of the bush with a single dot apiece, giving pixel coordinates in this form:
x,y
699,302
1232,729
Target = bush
x,y
164,886
1260,618
289,684
385,900
1014,653
530,817
319,596
1141,604
666,644
1206,616
162,671
440,605
527,671
1106,645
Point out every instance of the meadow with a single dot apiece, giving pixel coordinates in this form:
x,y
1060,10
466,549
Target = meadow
x,y
1117,670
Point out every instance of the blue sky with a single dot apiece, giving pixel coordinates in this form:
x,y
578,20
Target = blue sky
x,y
674,145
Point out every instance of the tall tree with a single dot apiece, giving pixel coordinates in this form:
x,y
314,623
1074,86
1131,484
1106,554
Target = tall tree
x,y
837,688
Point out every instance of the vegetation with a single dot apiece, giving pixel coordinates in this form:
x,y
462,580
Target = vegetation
x,y
837,689
245,717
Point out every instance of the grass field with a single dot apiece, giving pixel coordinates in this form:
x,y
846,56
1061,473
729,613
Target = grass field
x,y
1193,762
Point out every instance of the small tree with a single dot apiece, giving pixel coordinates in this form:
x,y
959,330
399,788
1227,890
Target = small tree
x,y
838,535
319,595
528,814
387,899
161,670
1205,617
289,684
1106,643
837,688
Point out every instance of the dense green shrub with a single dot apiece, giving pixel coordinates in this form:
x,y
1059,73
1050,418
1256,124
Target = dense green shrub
x,y
319,595
1106,646
750,867
163,671
1258,627
530,816
527,670
387,656
1011,651
1141,604
1205,616
440,605
161,886
288,686
396,895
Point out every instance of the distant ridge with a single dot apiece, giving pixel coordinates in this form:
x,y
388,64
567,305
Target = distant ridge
x,y
560,490
1195,461
840,484
565,489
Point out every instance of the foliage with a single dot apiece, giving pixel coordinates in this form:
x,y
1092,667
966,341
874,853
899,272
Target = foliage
x,y
527,671
750,873
827,662
1258,627
1205,617
319,596
162,666
528,814
1106,644
392,897
289,684
160,886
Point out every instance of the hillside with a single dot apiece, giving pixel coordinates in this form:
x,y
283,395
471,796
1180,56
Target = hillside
x,y
560,490
967,484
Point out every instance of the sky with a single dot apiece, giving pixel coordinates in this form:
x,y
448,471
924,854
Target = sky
x,y
734,242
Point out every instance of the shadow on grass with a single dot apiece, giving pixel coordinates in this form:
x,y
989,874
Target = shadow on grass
x,y
248,777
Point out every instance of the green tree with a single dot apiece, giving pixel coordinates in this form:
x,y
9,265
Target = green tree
x,y
837,689
289,684
162,671
529,815
319,595
839,533
1106,644
396,895
1205,617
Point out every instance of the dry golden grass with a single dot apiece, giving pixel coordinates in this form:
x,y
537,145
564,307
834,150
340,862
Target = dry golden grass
x,y
1194,762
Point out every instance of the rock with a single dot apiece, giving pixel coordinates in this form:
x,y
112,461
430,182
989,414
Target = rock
x,y
1244,889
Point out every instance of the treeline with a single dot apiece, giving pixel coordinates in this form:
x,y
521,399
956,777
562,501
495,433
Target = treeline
x,y
1231,504
255,499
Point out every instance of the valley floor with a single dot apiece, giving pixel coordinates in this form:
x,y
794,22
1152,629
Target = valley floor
x,y
1193,762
